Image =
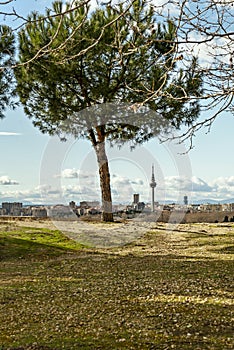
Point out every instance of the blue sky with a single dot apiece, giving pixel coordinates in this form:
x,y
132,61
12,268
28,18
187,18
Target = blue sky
x,y
30,173
27,173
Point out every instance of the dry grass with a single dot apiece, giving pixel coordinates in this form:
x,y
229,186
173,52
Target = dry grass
x,y
167,290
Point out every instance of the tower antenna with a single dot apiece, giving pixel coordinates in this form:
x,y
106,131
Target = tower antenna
x,y
153,184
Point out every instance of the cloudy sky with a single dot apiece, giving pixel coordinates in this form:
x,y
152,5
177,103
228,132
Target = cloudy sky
x,y
39,169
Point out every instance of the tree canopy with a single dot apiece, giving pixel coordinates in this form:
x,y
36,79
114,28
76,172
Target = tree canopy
x,y
111,54
203,28
7,51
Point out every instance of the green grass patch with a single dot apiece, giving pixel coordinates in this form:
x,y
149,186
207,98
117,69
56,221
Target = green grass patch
x,y
26,242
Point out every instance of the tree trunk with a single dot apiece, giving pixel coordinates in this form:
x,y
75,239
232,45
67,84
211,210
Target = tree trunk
x,y
104,175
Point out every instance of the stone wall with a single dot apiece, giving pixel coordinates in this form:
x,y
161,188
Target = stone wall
x,y
180,217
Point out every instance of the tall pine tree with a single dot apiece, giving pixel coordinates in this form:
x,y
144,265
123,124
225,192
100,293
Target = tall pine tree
x,y
78,71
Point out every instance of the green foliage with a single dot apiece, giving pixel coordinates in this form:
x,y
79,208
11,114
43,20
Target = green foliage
x,y
114,54
7,51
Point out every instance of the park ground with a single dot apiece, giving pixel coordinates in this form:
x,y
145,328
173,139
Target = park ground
x,y
170,288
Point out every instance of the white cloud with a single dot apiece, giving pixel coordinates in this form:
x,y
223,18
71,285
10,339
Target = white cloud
x,y
124,187
166,7
224,186
173,188
5,180
75,174
224,182
199,185
219,47
138,182
70,174
195,184
8,133
176,187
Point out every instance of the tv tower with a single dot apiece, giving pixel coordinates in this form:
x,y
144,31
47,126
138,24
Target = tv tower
x,y
153,185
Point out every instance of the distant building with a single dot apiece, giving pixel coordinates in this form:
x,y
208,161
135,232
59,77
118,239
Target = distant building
x,y
38,212
3,212
80,211
228,207
93,211
72,205
137,205
136,198
14,208
60,211
211,208
185,200
89,204
26,211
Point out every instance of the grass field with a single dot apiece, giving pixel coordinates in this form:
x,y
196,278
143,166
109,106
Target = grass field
x,y
167,290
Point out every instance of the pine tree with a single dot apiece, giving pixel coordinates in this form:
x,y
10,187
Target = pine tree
x,y
7,51
78,71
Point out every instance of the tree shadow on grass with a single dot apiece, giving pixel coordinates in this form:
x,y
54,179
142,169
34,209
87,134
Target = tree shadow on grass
x,y
18,248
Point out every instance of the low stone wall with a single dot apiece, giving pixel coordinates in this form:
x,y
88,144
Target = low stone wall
x,y
209,217
180,217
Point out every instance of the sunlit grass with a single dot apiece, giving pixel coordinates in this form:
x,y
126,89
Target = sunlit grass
x,y
163,294
27,241
187,299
